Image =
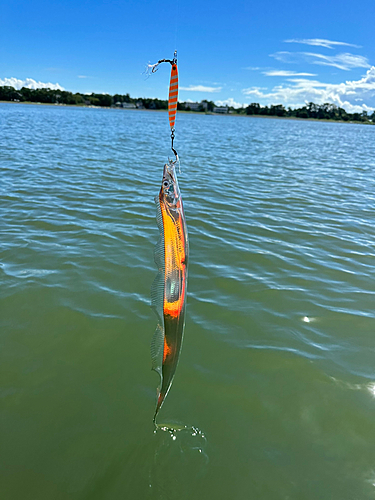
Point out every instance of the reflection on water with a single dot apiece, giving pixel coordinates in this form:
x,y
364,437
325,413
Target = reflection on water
x,y
180,460
371,388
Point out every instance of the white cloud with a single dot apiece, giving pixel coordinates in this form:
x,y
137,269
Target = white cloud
x,y
320,42
344,61
29,83
277,72
201,88
82,76
288,57
302,90
341,61
229,102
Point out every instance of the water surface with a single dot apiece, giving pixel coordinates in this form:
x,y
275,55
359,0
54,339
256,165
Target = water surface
x,y
276,381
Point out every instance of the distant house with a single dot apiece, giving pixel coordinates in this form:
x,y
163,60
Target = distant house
x,y
196,106
221,109
193,106
128,105
139,105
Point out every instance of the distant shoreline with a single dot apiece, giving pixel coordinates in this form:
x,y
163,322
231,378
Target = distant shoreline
x,y
273,117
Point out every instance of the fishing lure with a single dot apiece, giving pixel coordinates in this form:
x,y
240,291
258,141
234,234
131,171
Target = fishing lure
x,y
168,292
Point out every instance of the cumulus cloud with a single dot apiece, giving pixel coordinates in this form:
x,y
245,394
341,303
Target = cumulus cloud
x,y
278,72
29,83
201,88
229,102
344,61
320,42
301,90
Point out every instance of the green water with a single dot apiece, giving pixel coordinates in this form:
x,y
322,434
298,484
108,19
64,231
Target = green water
x,y
274,396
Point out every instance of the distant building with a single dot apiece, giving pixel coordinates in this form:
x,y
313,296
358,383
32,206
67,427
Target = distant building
x,y
128,105
221,109
192,105
139,105
196,106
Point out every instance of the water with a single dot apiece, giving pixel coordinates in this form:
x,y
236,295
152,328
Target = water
x,y
274,395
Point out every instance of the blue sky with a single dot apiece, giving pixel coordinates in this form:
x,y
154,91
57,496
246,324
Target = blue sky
x,y
269,52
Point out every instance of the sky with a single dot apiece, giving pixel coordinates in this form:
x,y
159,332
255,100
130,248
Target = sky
x,y
270,52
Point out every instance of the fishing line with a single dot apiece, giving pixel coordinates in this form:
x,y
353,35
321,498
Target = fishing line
x,y
176,24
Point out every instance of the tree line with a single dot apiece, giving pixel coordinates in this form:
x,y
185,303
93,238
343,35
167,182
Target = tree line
x,y
52,96
324,111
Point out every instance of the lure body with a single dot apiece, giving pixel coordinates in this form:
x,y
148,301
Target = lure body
x,y
173,96
168,293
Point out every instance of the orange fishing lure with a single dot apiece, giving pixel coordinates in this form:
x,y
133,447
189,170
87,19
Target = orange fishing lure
x,y
168,292
173,96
